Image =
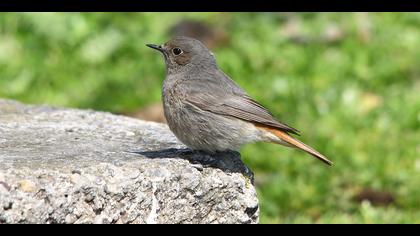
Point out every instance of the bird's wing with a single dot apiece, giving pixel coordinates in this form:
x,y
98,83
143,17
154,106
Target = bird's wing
x,y
229,100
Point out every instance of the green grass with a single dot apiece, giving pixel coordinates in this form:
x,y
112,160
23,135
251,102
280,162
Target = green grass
x,y
356,100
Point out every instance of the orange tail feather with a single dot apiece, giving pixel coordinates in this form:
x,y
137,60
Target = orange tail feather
x,y
298,144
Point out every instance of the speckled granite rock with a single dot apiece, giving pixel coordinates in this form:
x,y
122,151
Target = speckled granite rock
x,y
81,166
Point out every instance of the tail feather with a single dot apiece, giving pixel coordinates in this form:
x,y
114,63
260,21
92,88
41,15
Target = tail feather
x,y
298,144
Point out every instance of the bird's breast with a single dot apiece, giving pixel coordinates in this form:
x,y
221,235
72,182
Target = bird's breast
x,y
173,100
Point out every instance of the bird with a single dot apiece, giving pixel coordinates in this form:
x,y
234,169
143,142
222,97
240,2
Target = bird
x,y
208,111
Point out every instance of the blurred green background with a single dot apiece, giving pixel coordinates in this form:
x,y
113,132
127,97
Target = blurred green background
x,y
350,82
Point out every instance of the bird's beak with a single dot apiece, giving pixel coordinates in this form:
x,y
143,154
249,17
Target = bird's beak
x,y
154,46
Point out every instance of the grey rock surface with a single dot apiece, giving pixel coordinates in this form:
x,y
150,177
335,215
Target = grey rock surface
x,y
81,166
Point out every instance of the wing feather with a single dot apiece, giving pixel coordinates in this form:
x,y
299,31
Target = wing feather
x,y
241,107
219,94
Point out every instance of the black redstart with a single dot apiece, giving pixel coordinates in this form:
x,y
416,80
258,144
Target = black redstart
x,y
208,111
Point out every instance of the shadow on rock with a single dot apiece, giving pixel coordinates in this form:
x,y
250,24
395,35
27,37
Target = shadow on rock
x,y
229,162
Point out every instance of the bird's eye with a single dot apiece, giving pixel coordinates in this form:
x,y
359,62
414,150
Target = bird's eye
x,y
176,51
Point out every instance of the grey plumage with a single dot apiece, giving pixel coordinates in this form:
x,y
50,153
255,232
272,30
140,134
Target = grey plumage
x,y
207,110
195,124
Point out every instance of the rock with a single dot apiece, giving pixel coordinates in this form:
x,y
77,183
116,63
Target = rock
x,y
82,166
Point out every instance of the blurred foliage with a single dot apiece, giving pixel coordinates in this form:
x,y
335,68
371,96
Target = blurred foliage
x,y
349,81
